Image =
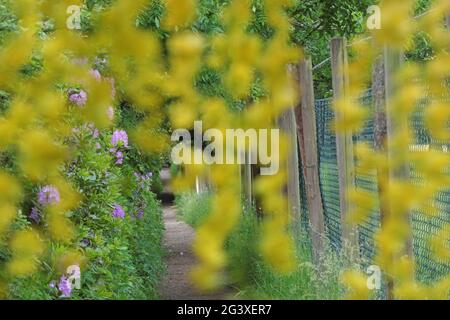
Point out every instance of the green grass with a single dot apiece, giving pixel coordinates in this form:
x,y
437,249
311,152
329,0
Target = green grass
x,y
247,270
193,208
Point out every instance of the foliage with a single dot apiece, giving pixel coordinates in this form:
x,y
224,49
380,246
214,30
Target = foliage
x,y
193,208
249,273
123,256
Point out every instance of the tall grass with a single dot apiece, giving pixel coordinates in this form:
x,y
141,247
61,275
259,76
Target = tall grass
x,y
249,273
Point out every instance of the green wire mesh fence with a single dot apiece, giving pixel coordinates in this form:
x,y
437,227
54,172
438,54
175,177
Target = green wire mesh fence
x,y
423,226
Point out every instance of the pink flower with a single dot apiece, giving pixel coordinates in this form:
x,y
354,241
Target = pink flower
x,y
48,195
119,138
118,212
65,287
79,99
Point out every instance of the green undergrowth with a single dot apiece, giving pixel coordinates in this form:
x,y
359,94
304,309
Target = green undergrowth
x,y
247,270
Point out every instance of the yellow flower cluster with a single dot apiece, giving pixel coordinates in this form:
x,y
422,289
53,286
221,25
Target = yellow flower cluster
x,y
398,194
36,123
238,56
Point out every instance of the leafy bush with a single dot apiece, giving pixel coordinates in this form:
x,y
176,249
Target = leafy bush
x,y
121,257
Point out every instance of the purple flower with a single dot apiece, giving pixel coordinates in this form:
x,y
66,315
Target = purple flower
x,y
119,138
79,99
48,195
118,212
140,213
119,157
65,287
98,146
34,215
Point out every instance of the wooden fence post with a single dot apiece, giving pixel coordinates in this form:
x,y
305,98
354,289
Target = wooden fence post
x,y
447,20
380,145
288,125
344,146
246,182
307,139
393,59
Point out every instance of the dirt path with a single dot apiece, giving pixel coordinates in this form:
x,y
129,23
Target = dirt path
x,y
178,238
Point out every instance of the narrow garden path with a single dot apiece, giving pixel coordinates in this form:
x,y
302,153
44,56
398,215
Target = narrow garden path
x,y
178,238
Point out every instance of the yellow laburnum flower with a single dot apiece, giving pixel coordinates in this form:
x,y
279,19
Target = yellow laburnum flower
x,y
40,156
258,115
27,243
150,141
410,290
70,258
363,203
270,184
437,117
186,45
8,132
70,198
179,13
356,281
439,244
20,115
60,228
239,79
403,269
182,115
11,189
225,211
208,248
351,115
7,214
205,278
278,249
441,289
397,23
22,266
215,114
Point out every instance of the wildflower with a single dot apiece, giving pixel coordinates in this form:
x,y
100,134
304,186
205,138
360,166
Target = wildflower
x,y
49,195
119,138
65,287
141,179
93,130
34,215
79,99
118,212
119,157
140,213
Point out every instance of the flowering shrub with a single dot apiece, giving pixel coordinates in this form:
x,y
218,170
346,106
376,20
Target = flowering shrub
x,y
91,205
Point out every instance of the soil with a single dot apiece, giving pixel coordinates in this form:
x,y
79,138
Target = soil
x,y
178,238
